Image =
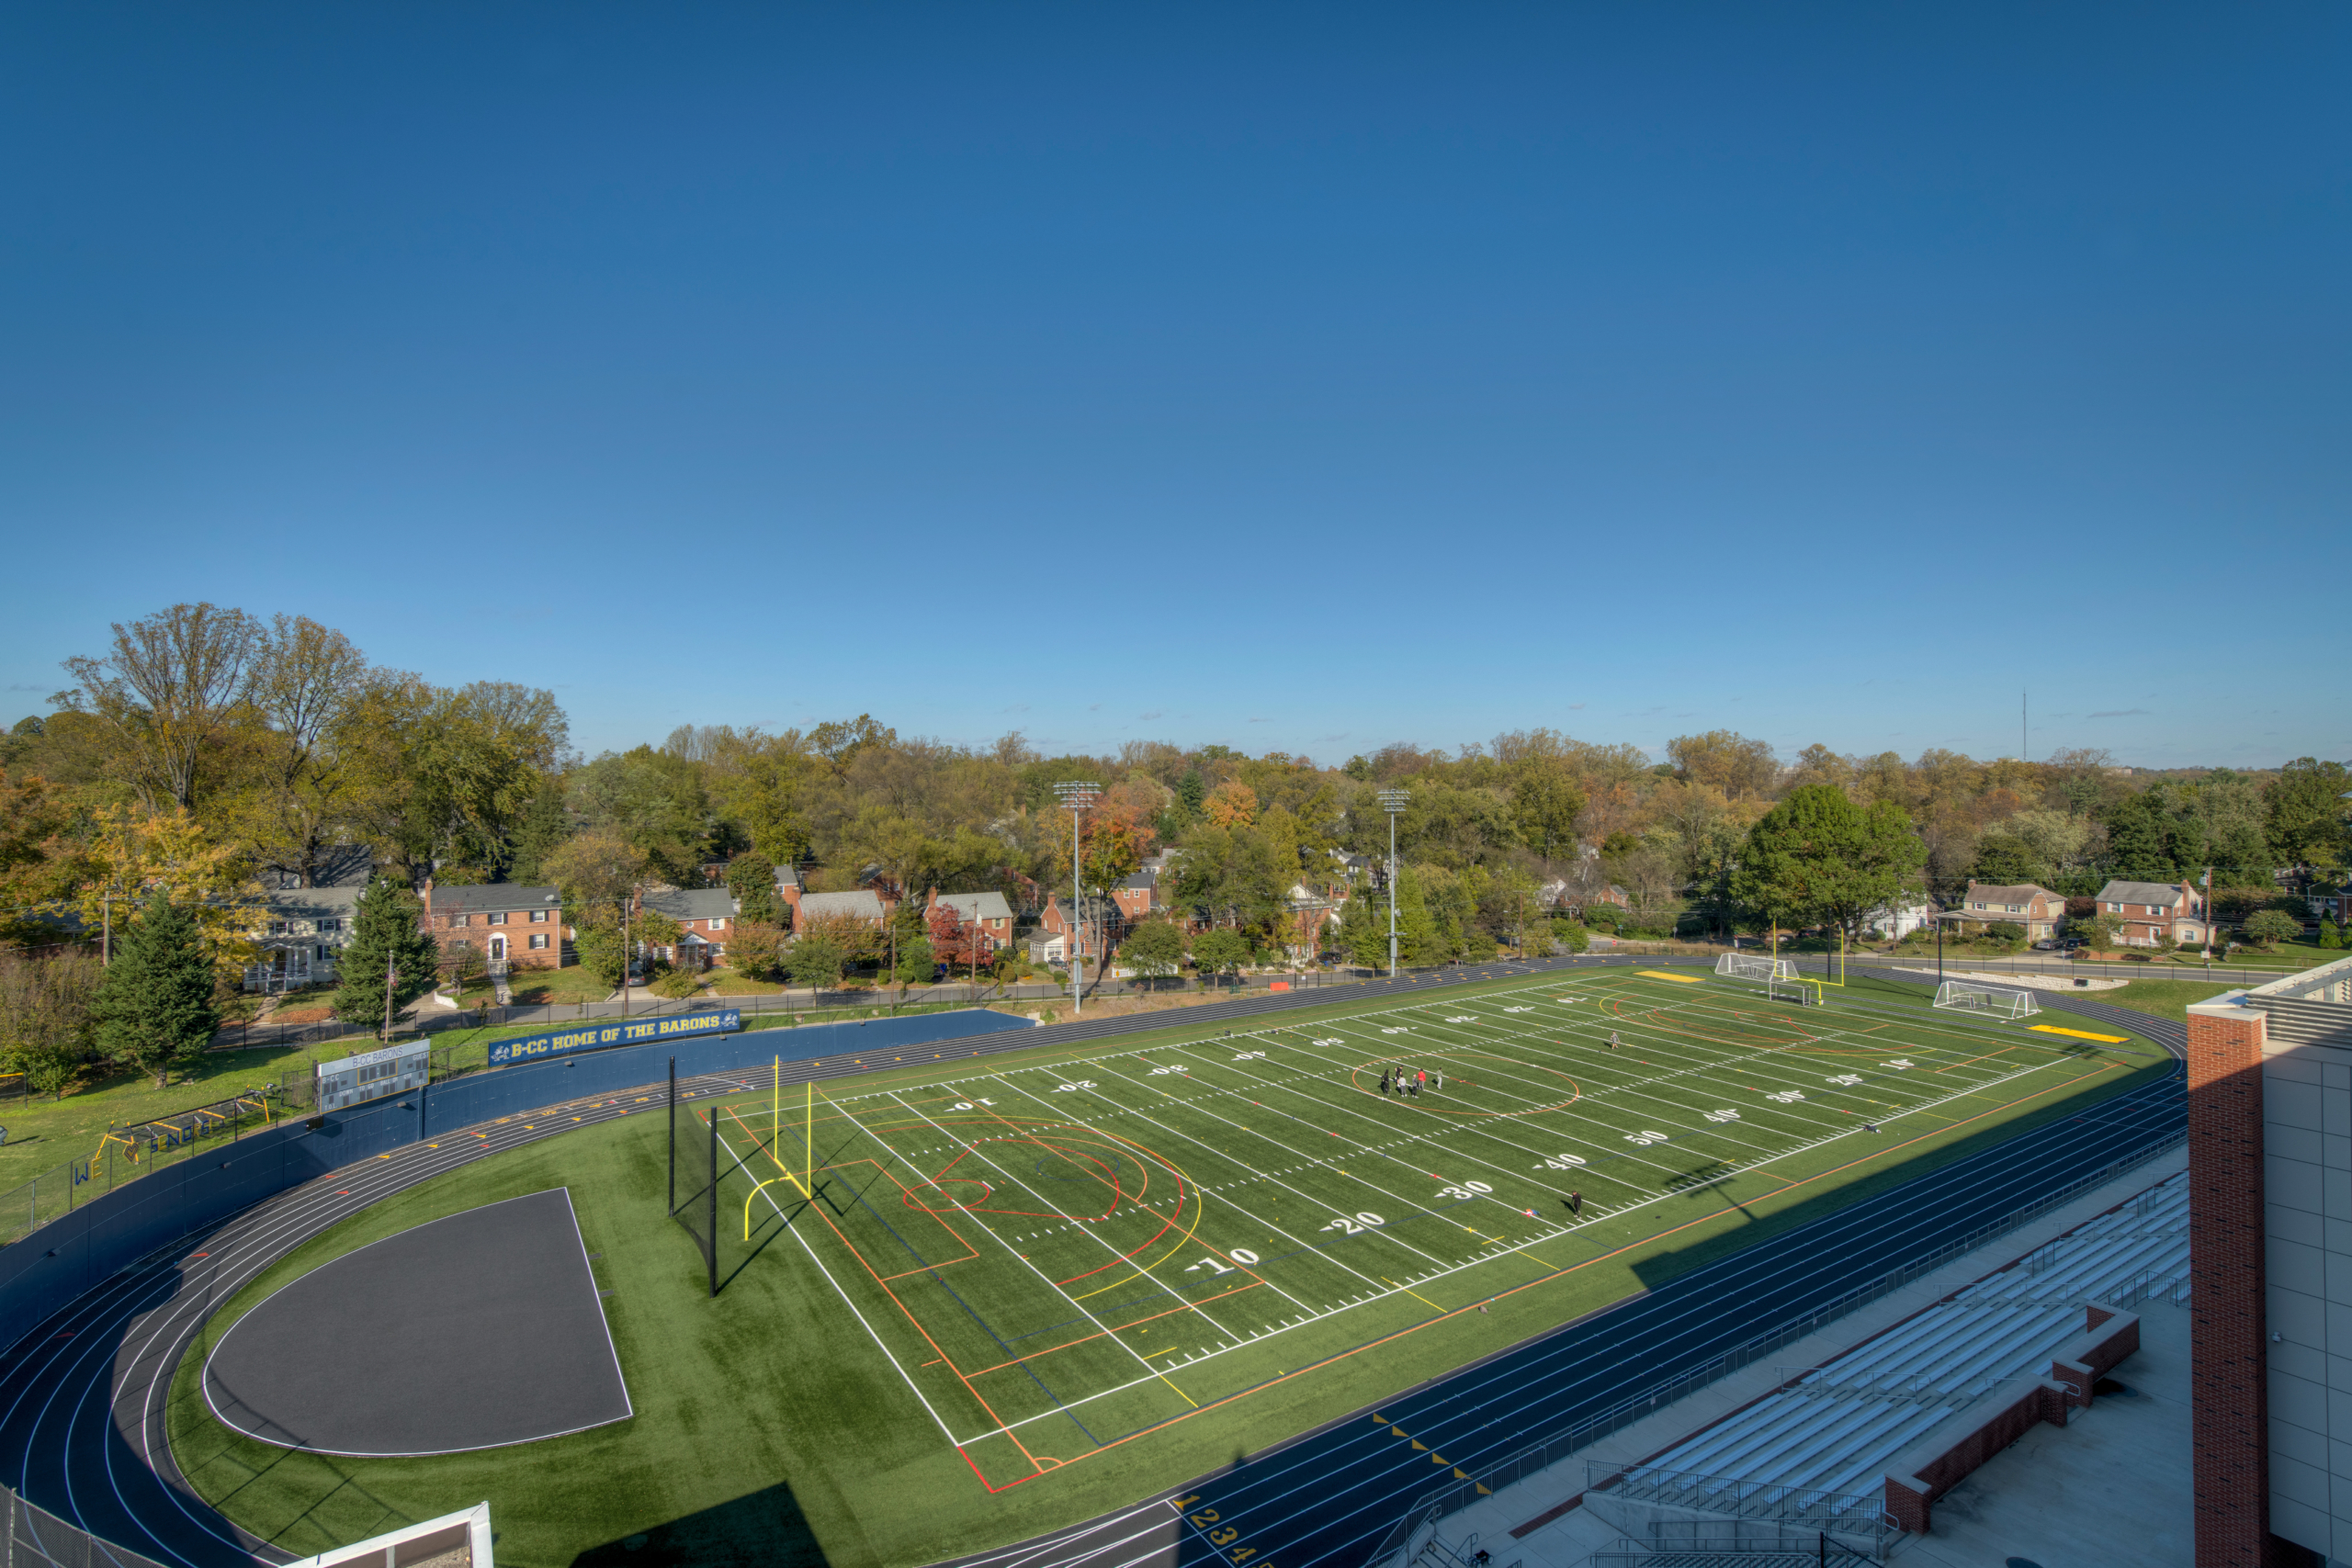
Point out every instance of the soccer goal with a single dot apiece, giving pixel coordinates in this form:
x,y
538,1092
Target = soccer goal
x,y
1803,992
1959,996
1754,967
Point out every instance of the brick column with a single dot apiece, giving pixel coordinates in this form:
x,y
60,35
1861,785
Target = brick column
x,y
2230,1429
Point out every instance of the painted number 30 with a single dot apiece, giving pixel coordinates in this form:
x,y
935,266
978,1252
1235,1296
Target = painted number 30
x,y
1073,1087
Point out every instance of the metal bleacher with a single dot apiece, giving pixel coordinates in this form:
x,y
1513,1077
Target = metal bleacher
x,y
1812,1454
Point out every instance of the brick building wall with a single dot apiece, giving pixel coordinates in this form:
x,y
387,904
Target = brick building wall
x,y
2230,1437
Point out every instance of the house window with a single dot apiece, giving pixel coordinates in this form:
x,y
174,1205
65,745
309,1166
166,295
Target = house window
x,y
2115,908
2013,908
330,925
278,927
538,939
461,920
716,925
538,917
325,953
495,920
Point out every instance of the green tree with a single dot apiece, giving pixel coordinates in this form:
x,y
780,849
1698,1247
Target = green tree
x,y
48,1015
2098,933
2303,813
1817,856
2270,927
156,1006
2007,860
385,934
2331,935
915,961
1220,951
1153,950
814,961
750,877
2135,843
1572,935
598,948
1544,804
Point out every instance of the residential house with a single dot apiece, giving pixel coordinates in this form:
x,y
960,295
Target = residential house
x,y
2036,909
863,904
1138,896
705,917
1102,924
2154,909
519,926
988,912
1897,921
305,929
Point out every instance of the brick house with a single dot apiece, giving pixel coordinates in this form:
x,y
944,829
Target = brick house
x,y
864,904
2026,904
2154,909
705,917
988,912
520,926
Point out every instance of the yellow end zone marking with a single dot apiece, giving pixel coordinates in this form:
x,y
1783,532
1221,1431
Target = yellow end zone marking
x,y
2079,1034
1662,975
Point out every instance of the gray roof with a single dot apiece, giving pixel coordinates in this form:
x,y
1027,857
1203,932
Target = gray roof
x,y
975,905
1142,879
313,903
2162,893
863,905
694,904
2020,893
465,899
338,866
786,875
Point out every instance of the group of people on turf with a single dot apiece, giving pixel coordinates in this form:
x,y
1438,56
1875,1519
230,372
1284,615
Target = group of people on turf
x,y
1399,1080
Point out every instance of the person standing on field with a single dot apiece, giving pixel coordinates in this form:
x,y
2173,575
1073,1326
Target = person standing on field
x,y
1384,1081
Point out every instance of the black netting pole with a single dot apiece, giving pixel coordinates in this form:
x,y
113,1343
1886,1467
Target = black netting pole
x,y
673,1138
710,1243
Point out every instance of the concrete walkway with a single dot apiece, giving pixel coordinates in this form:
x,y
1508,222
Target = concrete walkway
x,y
1528,1524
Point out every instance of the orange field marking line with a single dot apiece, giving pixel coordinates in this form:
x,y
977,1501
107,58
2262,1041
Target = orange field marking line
x,y
938,1349
1974,1060
1540,1280
1114,1329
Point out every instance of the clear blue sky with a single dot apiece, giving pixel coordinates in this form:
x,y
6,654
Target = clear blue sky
x,y
1293,376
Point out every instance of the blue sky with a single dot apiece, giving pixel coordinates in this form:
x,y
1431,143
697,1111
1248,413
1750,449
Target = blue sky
x,y
1292,377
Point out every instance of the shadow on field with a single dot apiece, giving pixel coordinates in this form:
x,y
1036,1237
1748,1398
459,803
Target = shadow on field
x,y
1708,1190
763,1527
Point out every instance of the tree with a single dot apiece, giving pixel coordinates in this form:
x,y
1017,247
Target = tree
x,y
1817,856
2304,815
956,942
2135,843
916,963
2008,935
129,854
2331,935
1732,763
596,870
2098,931
36,872
304,677
2006,860
156,1006
814,961
598,948
1572,935
166,692
2270,927
1544,805
1153,950
750,877
48,1015
1220,951
385,936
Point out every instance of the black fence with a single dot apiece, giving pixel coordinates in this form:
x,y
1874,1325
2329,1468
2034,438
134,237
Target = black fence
x,y
693,1176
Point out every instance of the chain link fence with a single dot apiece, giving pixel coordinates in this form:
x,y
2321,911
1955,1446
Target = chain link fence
x,y
35,1537
126,1154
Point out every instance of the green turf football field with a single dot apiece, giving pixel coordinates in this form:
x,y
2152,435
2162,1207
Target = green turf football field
x,y
1063,1279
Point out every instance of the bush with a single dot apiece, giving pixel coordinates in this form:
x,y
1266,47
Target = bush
x,y
2270,927
2331,935
1572,935
677,985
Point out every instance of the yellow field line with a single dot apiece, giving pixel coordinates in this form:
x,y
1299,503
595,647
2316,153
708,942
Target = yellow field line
x,y
2079,1034
1662,975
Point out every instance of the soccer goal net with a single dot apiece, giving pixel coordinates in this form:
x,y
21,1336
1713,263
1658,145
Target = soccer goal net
x,y
1961,997
1805,993
1754,967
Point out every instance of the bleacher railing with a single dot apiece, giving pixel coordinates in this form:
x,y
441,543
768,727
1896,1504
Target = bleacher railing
x,y
1854,1515
35,1537
1539,1456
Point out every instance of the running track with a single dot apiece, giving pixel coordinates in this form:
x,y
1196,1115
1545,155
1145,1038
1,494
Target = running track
x,y
82,1397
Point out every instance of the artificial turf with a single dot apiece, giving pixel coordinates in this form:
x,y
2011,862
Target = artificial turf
x,y
1069,1279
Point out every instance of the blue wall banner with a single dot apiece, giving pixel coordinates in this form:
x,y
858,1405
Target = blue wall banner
x,y
624,1032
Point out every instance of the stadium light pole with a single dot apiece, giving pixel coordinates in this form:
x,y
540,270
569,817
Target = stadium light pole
x,y
1392,801
1076,798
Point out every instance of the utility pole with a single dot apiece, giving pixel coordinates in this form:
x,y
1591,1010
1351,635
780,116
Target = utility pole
x,y
1392,801
390,973
1076,798
626,898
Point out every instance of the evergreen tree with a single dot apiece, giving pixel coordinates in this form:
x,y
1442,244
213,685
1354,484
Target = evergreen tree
x,y
156,1006
2135,843
384,935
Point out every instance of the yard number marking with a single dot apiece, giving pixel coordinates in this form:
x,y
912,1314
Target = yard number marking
x,y
1464,1191
967,1105
1787,1096
1900,1064
1399,1029
1849,1079
1726,1114
1518,1010
1156,1072
1562,1162
1461,1017
1073,1087
1250,1057
1362,1222
1644,1139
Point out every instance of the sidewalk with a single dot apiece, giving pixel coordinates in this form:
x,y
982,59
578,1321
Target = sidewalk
x,y
1536,1523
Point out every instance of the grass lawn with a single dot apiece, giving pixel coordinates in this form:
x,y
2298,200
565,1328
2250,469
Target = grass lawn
x,y
43,1133
2166,998
1055,1283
